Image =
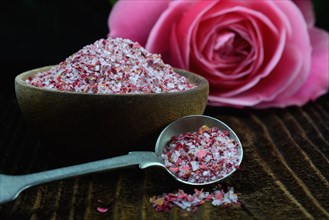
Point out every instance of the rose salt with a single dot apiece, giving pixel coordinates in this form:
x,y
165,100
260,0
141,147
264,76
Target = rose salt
x,y
191,202
203,156
112,66
101,208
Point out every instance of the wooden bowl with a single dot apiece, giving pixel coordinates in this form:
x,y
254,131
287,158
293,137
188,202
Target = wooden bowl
x,y
109,124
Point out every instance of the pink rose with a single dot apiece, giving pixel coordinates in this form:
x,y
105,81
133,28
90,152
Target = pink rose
x,y
254,53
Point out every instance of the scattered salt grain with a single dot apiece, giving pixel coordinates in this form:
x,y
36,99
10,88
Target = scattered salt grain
x,y
102,210
112,66
191,202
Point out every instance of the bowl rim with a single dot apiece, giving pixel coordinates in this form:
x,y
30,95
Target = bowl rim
x,y
202,84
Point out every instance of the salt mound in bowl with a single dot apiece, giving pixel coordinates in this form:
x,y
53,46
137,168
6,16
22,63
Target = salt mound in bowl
x,y
88,122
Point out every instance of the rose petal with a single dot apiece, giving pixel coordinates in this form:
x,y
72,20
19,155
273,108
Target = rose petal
x,y
190,20
267,88
300,41
317,82
282,81
274,44
306,8
212,42
159,37
299,37
174,57
266,9
135,19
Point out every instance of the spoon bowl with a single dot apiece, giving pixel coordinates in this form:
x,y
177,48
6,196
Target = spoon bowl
x,y
192,123
12,186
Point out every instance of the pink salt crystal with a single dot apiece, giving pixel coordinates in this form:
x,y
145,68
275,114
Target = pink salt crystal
x,y
195,165
209,197
185,168
102,210
219,195
201,154
173,169
159,201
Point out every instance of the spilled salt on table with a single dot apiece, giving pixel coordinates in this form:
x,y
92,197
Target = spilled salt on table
x,y
191,202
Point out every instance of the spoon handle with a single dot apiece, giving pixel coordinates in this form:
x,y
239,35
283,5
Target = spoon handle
x,y
12,186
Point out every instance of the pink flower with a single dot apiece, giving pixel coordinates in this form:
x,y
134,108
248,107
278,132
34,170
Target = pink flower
x,y
254,53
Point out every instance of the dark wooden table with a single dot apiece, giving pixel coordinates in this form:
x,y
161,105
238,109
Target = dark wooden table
x,y
284,174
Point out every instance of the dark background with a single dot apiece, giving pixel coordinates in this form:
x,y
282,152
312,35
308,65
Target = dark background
x,y
36,33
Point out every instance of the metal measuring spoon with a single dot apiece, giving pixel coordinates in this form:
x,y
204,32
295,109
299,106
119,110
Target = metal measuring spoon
x,y
12,186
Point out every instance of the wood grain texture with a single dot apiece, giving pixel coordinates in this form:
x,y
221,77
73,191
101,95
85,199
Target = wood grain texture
x,y
284,174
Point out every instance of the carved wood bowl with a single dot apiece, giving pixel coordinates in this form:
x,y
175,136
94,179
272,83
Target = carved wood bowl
x,y
79,124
